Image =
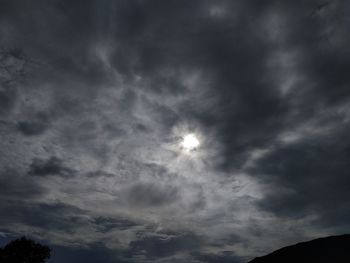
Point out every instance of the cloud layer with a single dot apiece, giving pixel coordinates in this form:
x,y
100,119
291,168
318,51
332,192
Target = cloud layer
x,y
95,97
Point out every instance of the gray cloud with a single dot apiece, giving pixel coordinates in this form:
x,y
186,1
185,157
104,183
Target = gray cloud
x,y
226,256
311,176
36,126
51,166
95,97
15,186
163,245
149,194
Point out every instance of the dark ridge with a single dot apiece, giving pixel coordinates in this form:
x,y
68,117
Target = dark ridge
x,y
333,249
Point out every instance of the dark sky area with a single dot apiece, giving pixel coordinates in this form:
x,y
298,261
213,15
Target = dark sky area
x,y
96,97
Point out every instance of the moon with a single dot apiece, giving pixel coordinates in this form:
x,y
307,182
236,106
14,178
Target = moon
x,y
190,142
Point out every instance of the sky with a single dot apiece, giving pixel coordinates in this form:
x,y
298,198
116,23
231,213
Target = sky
x,y
97,96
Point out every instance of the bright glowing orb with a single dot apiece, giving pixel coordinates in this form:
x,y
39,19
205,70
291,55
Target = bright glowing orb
x,y
190,142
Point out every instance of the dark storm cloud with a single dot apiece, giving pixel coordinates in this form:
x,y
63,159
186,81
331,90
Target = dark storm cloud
x,y
51,166
48,216
250,111
13,69
105,84
37,126
15,186
7,98
310,177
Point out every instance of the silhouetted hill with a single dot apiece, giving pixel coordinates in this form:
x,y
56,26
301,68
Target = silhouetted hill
x,y
333,249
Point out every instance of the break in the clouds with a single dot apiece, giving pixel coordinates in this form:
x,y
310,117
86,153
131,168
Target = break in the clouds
x,y
97,96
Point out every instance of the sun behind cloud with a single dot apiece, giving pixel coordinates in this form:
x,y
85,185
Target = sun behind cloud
x,y
190,142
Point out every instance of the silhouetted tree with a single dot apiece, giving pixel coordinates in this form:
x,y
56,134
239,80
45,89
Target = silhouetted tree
x,y
24,250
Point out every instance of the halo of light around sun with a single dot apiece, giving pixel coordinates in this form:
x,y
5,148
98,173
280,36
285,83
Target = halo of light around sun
x,y
190,142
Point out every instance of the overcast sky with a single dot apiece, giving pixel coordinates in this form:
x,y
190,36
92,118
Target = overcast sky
x,y
96,97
